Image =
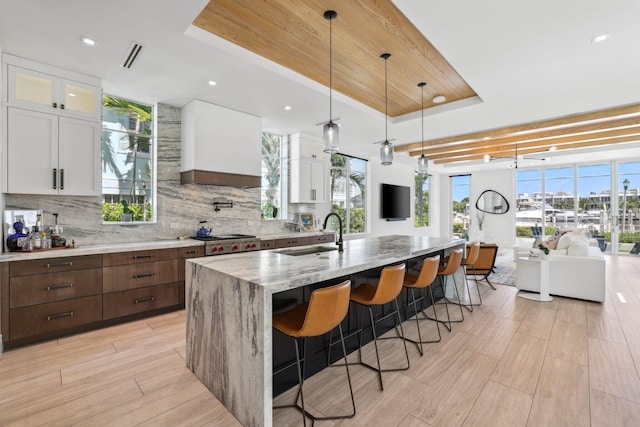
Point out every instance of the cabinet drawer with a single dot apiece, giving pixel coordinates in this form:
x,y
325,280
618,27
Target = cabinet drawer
x,y
54,265
43,288
193,252
267,244
137,257
324,238
287,243
56,316
125,277
123,303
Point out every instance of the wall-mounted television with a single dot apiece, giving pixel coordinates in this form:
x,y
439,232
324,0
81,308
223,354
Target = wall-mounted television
x,y
395,202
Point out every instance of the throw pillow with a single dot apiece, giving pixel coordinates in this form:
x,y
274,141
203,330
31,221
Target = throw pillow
x,y
578,248
552,241
565,241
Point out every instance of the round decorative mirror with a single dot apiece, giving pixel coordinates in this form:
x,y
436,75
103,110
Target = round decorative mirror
x,y
492,202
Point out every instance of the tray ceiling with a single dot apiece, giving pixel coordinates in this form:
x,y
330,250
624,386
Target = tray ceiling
x,y
294,34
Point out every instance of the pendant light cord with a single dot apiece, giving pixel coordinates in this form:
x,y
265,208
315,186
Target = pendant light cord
x,y
330,69
386,102
422,116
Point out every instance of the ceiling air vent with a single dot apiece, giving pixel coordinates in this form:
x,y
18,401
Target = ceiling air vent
x,y
134,51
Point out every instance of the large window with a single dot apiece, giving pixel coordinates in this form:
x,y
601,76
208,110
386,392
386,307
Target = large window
x,y
422,201
127,161
274,192
628,184
348,184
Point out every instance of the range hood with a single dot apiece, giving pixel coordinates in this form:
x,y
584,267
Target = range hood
x,y
220,146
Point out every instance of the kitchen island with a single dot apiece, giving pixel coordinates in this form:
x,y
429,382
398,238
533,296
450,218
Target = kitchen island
x,y
229,307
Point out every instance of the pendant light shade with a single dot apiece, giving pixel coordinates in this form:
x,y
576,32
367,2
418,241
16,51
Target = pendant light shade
x,y
422,161
330,131
386,149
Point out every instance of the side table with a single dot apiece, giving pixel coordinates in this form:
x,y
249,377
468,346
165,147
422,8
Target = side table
x,y
543,278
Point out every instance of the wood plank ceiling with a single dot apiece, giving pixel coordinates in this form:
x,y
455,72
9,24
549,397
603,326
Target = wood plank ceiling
x,y
594,129
294,33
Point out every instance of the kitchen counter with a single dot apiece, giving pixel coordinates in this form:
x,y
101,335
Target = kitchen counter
x,y
228,303
99,249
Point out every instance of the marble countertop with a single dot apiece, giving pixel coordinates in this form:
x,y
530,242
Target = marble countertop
x,y
294,234
277,272
99,249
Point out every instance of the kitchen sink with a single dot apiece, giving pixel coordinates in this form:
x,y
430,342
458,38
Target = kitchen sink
x,y
306,251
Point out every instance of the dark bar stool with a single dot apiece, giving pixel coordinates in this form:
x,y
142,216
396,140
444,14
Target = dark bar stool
x,y
450,265
325,310
388,289
423,280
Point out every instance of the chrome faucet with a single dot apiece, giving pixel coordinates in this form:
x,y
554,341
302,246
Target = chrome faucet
x,y
324,227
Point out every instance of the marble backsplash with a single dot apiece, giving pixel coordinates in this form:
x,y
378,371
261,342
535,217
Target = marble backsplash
x,y
181,205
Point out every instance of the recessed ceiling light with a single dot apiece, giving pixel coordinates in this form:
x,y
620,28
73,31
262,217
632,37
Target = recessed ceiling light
x,y
88,41
439,99
72,94
212,83
553,148
600,38
287,107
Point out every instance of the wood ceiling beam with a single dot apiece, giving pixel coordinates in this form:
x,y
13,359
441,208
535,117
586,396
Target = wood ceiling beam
x,y
576,145
572,120
487,147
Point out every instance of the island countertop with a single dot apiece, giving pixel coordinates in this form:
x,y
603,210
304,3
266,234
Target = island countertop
x,y
229,310
276,271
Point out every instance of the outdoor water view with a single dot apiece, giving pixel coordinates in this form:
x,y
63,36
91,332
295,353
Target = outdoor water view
x,y
580,197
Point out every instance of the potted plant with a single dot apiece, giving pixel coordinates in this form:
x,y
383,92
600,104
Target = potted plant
x,y
127,214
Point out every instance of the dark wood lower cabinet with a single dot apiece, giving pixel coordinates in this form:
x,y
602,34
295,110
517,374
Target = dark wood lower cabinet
x,y
43,319
124,303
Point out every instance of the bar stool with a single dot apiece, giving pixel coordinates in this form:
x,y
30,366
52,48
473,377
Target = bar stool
x,y
473,251
388,289
423,280
325,310
449,268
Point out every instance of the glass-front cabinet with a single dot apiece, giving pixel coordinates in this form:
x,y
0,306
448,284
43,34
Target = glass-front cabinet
x,y
39,91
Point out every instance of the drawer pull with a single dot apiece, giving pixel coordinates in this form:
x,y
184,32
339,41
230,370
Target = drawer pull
x,y
142,256
138,276
145,299
60,264
191,252
63,286
58,316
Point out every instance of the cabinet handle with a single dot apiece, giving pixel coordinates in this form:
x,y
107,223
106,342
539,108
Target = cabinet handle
x,y
55,178
62,106
191,252
60,264
56,287
145,299
142,256
62,179
139,276
59,315
55,105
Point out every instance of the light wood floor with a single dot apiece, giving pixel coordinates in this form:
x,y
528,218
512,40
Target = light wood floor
x,y
512,362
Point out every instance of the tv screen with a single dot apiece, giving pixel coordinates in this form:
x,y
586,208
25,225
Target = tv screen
x,y
396,202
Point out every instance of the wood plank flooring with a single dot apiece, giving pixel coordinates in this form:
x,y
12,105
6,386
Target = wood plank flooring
x,y
512,362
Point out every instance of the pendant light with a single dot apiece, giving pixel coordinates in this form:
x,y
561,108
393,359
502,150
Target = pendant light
x,y
330,131
422,161
386,149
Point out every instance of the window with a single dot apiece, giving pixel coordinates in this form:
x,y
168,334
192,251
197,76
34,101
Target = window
x,y
422,201
348,192
127,161
460,206
628,185
274,192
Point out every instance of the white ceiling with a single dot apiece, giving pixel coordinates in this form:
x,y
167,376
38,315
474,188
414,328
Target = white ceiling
x,y
527,61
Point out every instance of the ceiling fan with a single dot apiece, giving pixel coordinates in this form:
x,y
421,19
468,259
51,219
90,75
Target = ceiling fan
x,y
514,164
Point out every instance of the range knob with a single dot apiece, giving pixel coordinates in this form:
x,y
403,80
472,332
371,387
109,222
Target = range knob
x,y
247,246
214,249
235,247
221,248
253,245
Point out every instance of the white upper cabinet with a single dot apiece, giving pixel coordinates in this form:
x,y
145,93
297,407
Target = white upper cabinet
x,y
306,147
38,87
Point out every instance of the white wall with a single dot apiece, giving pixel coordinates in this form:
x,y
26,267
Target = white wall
x,y
498,229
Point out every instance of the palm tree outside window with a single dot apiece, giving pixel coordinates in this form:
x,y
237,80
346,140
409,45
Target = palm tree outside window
x,y
348,185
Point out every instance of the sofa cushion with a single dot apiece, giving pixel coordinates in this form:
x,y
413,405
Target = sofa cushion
x,y
552,241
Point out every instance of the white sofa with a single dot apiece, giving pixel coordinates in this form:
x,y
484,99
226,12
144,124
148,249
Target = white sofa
x,y
576,271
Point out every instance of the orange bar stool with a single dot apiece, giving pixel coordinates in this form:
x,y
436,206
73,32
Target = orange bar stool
x,y
325,310
423,280
449,267
388,289
473,251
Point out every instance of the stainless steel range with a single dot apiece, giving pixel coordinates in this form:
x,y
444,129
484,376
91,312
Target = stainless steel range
x,y
229,243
